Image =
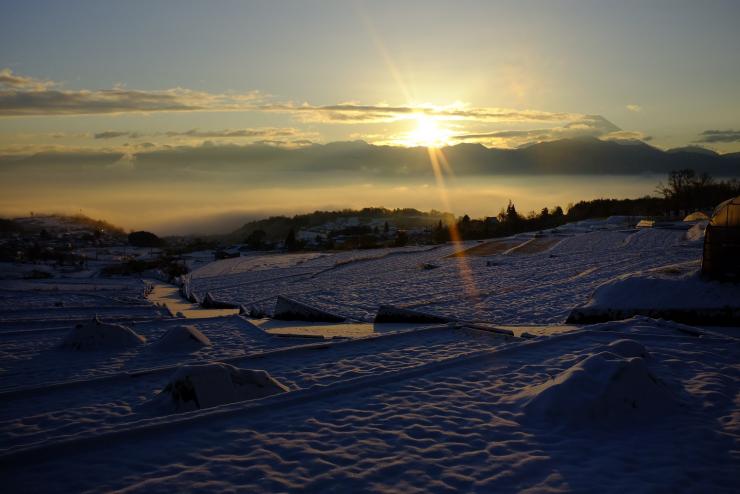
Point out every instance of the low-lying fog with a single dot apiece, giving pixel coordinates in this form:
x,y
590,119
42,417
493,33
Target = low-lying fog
x,y
204,204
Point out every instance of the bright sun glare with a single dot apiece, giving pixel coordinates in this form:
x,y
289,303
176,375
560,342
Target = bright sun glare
x,y
428,133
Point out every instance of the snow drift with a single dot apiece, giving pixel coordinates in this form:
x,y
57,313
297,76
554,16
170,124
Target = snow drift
x,y
193,387
697,231
182,339
627,348
97,335
604,387
675,292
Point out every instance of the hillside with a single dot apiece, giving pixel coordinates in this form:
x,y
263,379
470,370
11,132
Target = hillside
x,y
277,227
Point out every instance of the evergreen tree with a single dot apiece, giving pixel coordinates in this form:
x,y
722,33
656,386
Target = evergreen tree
x,y
256,239
290,241
511,215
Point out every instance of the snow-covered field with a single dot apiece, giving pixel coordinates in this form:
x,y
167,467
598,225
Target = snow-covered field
x,y
638,405
507,288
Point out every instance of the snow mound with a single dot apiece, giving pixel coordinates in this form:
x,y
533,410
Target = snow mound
x,y
193,387
97,335
182,339
696,232
621,220
287,309
604,387
627,348
676,292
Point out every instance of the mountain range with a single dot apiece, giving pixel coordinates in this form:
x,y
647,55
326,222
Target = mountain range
x,y
583,155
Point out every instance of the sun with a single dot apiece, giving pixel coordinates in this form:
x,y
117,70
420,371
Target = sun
x,y
428,133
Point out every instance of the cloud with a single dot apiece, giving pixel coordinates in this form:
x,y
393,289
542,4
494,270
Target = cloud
x,y
627,135
111,134
25,96
585,126
10,80
261,132
634,108
112,101
712,136
351,113
277,136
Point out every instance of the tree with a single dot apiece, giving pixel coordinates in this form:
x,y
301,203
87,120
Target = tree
x,y
441,233
511,215
679,181
686,190
144,239
290,241
402,238
256,239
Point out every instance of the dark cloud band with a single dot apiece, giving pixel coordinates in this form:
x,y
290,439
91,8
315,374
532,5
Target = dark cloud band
x,y
711,136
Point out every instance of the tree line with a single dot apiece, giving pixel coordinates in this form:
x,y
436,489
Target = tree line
x,y
685,192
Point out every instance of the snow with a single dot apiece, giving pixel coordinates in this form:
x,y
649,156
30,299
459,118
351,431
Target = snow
x,y
210,302
355,285
627,348
636,405
169,296
96,335
287,309
603,387
675,291
445,425
388,314
208,385
697,231
186,338
329,330
678,286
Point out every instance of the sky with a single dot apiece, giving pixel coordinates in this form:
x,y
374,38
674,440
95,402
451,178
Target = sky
x,y
131,77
